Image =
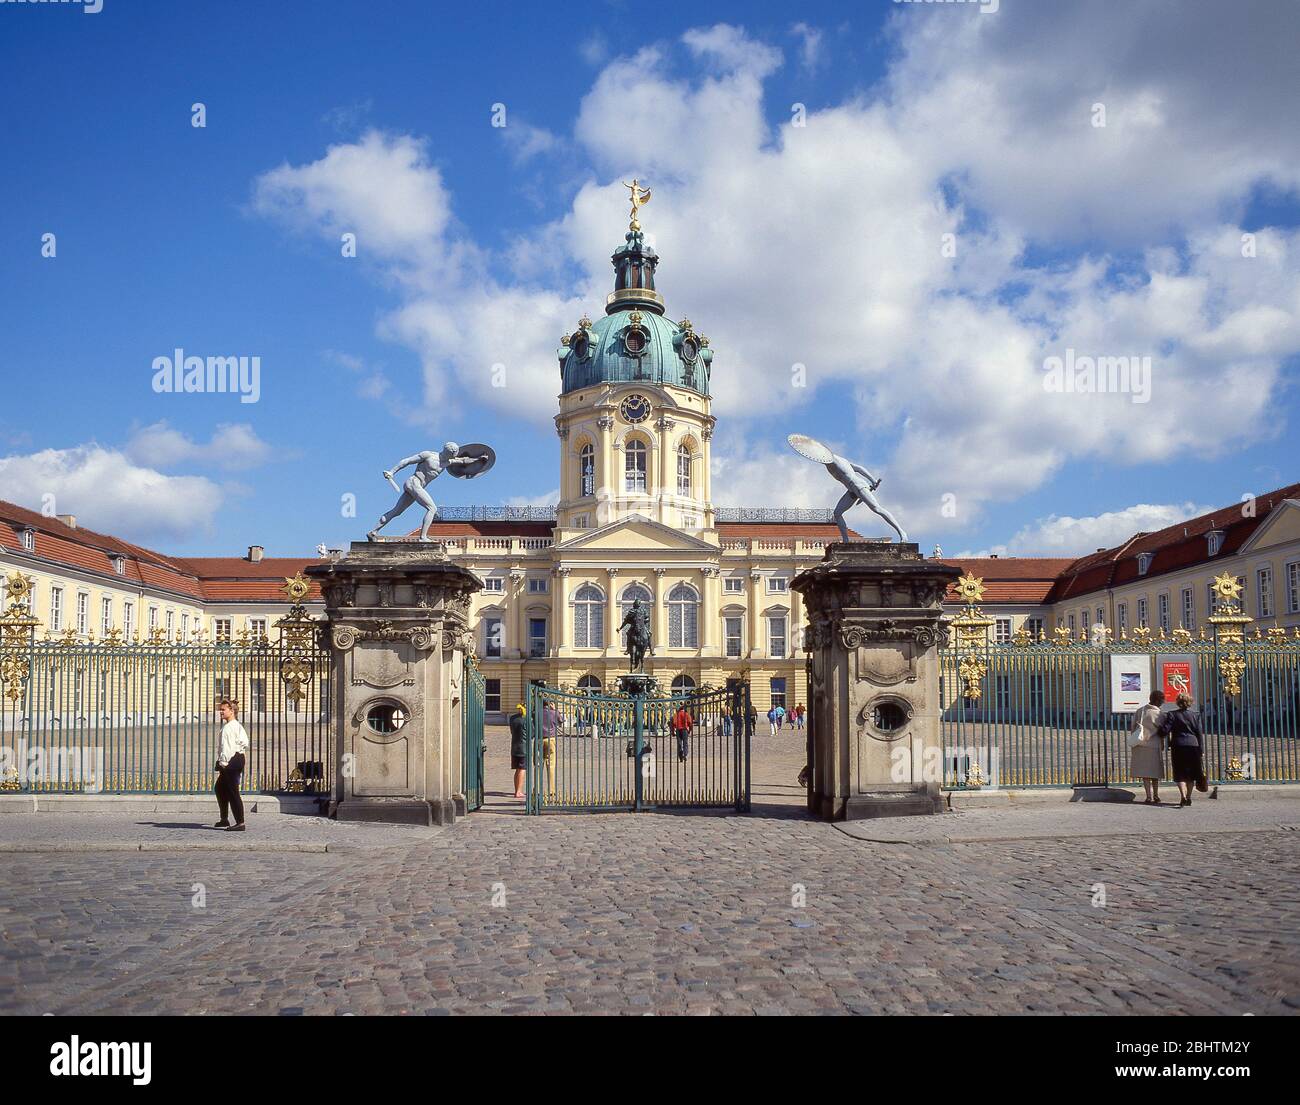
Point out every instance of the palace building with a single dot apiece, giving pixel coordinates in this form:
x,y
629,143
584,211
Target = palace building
x,y
636,519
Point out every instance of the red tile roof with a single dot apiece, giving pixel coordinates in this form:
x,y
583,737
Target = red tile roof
x,y
1011,579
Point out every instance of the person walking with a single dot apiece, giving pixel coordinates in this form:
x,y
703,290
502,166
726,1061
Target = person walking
x,y
1146,748
232,751
751,721
798,716
1186,746
771,722
780,717
519,746
682,723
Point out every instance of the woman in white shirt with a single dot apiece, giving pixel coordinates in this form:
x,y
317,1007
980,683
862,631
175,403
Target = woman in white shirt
x,y
231,755
1146,759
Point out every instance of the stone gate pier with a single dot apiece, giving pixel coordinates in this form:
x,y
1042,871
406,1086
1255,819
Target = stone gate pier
x,y
398,630
872,638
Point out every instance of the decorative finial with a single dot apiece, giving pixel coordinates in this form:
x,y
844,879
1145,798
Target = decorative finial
x,y
296,587
640,197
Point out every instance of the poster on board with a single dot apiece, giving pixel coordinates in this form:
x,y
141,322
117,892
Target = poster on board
x,y
1130,682
1177,675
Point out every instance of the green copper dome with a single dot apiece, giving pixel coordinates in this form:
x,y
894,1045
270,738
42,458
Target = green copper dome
x,y
634,341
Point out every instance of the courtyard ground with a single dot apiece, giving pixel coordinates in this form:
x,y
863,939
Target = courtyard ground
x,y
1049,908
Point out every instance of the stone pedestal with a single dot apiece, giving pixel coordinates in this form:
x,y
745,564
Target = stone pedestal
x,y
398,614
873,630
638,684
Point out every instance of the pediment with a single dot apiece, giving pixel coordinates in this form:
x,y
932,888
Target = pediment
x,y
1280,527
636,533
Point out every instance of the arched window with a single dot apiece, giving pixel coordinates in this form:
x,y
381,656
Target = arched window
x,y
588,617
587,470
630,592
589,684
683,470
682,684
683,617
634,465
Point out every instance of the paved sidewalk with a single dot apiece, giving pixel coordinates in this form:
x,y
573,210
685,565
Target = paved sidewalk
x,y
95,832
1071,820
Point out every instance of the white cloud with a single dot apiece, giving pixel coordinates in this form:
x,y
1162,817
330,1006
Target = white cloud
x,y
233,446
109,493
821,245
810,44
526,141
549,498
1062,535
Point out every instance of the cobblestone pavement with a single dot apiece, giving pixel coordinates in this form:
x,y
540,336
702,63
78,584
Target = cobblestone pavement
x,y
662,913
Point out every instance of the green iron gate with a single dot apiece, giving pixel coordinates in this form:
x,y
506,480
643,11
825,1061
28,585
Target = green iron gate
x,y
472,736
593,752
1031,712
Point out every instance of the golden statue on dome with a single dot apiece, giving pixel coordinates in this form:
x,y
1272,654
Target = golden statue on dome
x,y
640,197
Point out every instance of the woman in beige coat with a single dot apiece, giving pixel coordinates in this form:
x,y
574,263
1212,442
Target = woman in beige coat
x,y
1146,755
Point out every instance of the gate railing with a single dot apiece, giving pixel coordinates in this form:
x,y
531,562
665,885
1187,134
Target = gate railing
x,y
620,752
472,752
84,716
1029,712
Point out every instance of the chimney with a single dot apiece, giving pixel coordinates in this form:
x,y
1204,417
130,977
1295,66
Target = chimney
x,y
69,520
255,553
993,556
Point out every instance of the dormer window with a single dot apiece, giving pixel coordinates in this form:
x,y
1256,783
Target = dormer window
x,y
119,565
1144,563
1214,542
28,539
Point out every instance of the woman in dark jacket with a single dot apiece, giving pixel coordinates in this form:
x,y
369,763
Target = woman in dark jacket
x,y
1186,746
519,748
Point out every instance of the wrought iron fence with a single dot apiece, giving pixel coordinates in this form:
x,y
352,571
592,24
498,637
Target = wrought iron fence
x,y
472,748
591,751
1030,712
84,716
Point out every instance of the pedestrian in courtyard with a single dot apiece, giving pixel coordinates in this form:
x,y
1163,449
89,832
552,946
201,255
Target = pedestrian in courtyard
x,y
799,712
772,722
751,721
682,723
1186,747
232,751
519,747
1146,748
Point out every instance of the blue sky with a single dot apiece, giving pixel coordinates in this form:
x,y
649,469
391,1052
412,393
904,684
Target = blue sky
x,y
816,245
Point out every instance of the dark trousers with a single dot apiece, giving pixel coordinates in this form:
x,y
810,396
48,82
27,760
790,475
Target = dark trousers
x,y
683,743
227,788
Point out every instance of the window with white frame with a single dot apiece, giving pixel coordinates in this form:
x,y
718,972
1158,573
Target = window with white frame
x,y
1162,610
733,633
83,612
494,585
171,624
1002,630
587,470
588,617
256,629
119,565
1264,588
683,470
1069,622
777,585
683,617
494,636
1085,621
105,616
537,585
733,585
28,538
1214,542
1144,563
185,628
128,620
1142,611
1293,587
221,630
1121,616
776,636
1034,627
1101,615
153,618
634,465
582,521
56,609
1189,608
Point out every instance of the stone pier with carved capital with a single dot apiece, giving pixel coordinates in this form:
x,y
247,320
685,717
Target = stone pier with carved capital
x,y
398,614
873,632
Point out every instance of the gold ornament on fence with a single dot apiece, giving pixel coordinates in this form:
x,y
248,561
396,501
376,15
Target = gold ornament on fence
x,y
972,635
17,633
1229,621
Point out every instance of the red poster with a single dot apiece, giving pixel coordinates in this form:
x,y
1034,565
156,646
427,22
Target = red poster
x,y
1175,678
